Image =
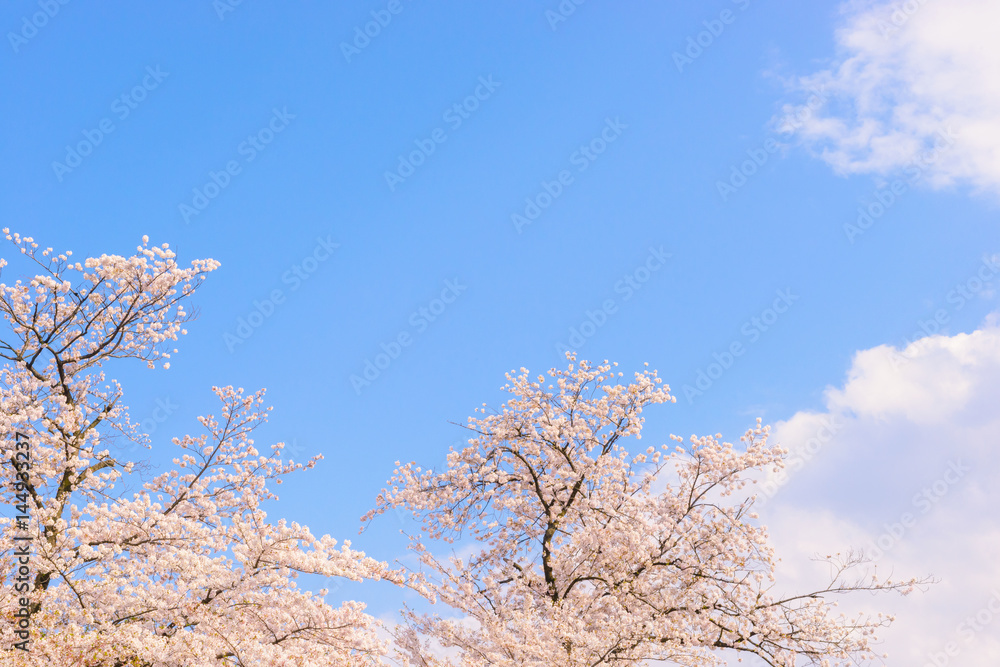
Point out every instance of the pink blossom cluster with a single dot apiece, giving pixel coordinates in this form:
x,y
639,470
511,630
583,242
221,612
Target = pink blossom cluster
x,y
572,551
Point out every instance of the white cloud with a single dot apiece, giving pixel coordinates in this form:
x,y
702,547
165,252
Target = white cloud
x,y
905,75
905,462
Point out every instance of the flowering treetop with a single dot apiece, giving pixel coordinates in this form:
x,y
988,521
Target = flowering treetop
x,y
186,570
579,553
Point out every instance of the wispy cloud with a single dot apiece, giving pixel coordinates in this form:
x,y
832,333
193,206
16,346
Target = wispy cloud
x,y
906,74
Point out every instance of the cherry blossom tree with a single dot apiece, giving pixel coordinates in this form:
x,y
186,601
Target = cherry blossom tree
x,y
186,570
569,551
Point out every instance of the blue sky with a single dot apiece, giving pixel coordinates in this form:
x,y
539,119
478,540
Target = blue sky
x,y
309,129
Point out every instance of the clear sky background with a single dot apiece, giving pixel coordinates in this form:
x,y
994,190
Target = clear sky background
x,y
841,106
